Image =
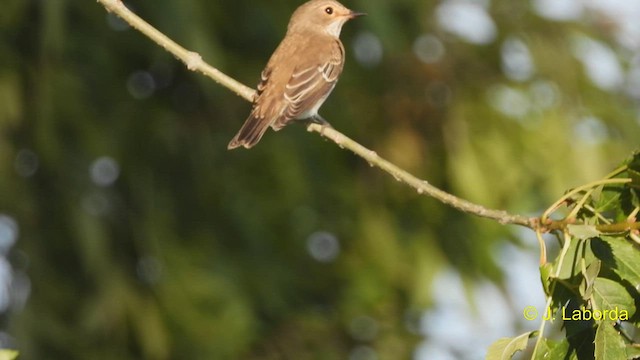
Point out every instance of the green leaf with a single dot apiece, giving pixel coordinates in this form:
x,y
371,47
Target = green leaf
x,y
633,162
610,295
609,344
622,256
635,198
634,174
583,232
505,348
578,249
8,354
545,277
550,350
633,352
589,276
608,200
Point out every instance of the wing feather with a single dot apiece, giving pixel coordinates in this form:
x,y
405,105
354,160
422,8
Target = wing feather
x,y
310,84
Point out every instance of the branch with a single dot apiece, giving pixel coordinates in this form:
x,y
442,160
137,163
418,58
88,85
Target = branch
x,y
421,186
191,59
194,62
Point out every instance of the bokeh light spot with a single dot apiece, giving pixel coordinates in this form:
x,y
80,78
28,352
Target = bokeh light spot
x,y
26,163
623,15
428,48
469,20
545,94
323,246
141,85
600,62
104,171
511,102
560,10
368,49
517,63
591,130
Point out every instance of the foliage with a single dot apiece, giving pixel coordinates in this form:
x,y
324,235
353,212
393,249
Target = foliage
x,y
592,285
141,237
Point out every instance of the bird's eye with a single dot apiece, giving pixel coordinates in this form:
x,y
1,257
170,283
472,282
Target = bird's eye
x,y
329,10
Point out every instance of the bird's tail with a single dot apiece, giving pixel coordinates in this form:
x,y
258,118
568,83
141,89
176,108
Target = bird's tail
x,y
250,133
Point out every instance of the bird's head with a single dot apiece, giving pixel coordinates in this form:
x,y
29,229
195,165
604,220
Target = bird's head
x,y
321,15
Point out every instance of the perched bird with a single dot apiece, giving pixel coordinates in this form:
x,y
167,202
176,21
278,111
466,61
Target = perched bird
x,y
301,72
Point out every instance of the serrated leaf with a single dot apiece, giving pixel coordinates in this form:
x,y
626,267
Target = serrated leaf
x,y
583,232
607,201
609,344
611,296
551,350
505,348
622,256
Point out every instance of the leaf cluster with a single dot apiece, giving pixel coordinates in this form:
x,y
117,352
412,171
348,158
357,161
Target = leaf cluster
x,y
592,285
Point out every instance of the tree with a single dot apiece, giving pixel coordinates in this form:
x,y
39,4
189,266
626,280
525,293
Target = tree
x,y
238,283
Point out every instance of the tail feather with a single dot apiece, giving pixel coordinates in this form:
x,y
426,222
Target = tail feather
x,y
250,133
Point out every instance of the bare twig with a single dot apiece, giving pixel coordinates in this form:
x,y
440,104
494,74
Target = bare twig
x,y
421,186
191,59
194,62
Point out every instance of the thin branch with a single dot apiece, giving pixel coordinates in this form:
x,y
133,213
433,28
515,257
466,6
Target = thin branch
x,y
191,59
194,62
421,186
581,188
614,228
618,227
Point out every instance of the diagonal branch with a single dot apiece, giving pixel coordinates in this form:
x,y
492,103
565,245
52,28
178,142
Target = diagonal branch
x,y
421,186
194,62
191,59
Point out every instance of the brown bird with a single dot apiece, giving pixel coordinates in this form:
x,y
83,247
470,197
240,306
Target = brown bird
x,y
301,73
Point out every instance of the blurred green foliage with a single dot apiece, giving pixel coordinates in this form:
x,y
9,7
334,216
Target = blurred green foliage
x,y
199,253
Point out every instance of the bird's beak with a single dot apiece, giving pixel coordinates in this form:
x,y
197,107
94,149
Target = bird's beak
x,y
355,14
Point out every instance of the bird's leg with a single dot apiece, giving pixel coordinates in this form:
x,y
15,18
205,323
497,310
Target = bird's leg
x,y
320,120
317,119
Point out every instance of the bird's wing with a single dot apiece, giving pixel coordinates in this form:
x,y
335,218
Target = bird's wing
x,y
258,122
310,83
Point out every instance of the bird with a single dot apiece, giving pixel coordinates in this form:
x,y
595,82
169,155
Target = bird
x,y
301,73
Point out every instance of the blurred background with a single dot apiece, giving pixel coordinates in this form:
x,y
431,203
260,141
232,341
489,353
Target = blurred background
x,y
128,231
